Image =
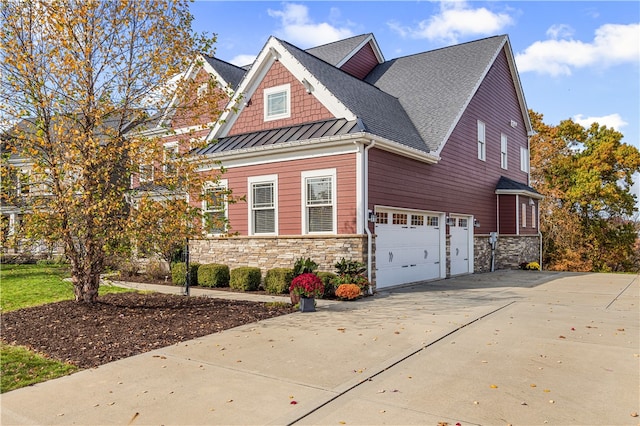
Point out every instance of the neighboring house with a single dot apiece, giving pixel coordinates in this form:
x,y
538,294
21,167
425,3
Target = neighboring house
x,y
409,165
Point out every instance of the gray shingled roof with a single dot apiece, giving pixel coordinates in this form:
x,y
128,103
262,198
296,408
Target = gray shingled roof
x,y
229,72
381,113
320,129
433,87
335,52
507,184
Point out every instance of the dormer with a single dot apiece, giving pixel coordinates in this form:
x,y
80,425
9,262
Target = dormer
x,y
356,55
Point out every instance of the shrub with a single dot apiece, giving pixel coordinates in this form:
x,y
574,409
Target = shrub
x,y
156,270
304,266
245,278
128,268
350,267
278,280
179,273
327,279
348,291
533,266
213,275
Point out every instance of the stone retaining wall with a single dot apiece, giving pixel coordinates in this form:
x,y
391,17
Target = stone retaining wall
x,y
279,252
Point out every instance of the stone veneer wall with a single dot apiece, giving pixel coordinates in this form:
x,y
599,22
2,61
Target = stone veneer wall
x,y
511,251
279,252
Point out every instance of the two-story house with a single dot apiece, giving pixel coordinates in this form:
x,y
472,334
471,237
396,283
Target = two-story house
x,y
411,165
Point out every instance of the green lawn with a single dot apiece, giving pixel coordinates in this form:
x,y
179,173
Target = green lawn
x,y
20,367
22,286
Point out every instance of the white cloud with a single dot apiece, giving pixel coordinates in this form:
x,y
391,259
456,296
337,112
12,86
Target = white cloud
x,y
242,60
560,31
612,44
455,21
298,28
611,120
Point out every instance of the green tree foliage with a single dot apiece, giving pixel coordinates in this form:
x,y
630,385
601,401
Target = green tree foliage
x,y
585,176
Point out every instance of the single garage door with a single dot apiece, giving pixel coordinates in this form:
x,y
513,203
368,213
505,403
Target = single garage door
x,y
461,248
408,246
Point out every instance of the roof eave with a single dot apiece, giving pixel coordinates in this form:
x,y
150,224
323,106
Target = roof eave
x,y
531,194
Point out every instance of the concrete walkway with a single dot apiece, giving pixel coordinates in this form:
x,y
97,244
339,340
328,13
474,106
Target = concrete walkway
x,y
507,347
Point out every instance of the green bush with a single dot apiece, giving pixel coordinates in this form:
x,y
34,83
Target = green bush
x,y
213,275
278,280
245,278
304,266
179,273
327,279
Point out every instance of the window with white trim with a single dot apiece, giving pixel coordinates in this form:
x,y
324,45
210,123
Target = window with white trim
x,y
482,146
277,102
319,201
524,159
533,216
214,207
145,173
503,150
263,196
523,216
169,155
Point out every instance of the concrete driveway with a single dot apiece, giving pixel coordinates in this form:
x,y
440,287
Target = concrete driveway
x,y
513,347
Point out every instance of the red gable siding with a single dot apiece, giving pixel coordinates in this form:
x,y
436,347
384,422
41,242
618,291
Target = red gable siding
x,y
304,107
459,183
361,64
289,192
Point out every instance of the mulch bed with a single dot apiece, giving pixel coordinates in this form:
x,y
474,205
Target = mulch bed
x,y
124,324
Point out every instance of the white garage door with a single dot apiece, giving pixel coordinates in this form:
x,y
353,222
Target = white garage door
x,y
408,247
461,249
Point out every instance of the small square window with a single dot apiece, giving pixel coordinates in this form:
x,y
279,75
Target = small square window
x,y
382,217
277,103
462,223
399,219
432,221
417,220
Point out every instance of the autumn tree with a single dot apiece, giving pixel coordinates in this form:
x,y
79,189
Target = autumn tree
x,y
81,80
585,175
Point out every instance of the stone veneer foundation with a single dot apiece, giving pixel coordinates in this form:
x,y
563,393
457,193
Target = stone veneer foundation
x,y
279,252
511,251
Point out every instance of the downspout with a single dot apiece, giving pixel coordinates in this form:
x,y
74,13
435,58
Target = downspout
x,y
365,180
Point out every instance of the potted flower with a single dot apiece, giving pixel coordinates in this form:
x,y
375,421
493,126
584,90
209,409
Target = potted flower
x,y
308,286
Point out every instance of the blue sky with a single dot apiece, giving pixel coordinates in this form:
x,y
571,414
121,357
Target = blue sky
x,y
577,59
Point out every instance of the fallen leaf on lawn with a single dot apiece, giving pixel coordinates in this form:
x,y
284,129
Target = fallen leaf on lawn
x,y
494,386
294,402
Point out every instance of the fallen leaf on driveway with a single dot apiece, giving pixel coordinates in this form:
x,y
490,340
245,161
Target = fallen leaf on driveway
x,y
494,386
561,337
293,402
634,414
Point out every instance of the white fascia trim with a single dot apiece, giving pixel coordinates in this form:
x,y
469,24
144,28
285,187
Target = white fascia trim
x,y
519,192
271,52
468,101
519,91
405,151
374,46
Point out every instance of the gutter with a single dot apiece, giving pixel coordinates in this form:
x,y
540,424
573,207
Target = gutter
x,y
365,177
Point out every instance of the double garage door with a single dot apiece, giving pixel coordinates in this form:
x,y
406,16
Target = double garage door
x,y
410,246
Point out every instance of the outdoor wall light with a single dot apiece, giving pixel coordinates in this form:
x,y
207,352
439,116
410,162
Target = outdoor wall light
x,y
476,223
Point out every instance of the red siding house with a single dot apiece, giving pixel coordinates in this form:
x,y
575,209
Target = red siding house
x,y
411,165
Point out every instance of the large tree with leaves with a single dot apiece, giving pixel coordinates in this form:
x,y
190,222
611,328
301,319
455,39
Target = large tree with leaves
x,y
77,77
585,175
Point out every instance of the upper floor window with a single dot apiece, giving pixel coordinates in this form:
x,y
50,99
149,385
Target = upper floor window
x,y
145,172
482,146
262,202
170,153
214,207
524,159
319,201
277,102
503,151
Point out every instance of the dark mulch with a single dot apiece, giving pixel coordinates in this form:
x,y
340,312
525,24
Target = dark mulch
x,y
125,324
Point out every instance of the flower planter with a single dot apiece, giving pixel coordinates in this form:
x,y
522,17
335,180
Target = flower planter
x,y
307,304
